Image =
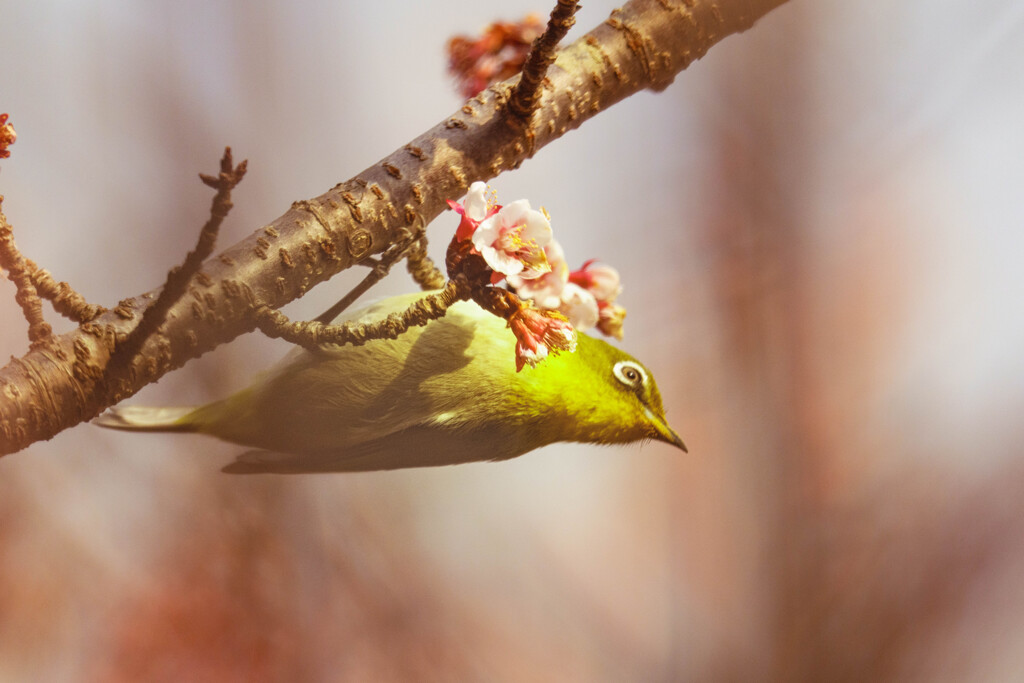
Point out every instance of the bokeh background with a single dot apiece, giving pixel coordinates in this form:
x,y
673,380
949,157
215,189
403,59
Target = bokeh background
x,y
819,227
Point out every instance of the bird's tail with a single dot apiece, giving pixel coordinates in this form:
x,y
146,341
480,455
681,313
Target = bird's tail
x,y
148,419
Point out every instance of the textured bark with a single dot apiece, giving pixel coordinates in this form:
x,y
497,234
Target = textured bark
x,y
643,45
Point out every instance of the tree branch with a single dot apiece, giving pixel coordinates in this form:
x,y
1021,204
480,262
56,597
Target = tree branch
x,y
421,268
526,94
312,335
119,365
65,300
641,46
11,260
378,271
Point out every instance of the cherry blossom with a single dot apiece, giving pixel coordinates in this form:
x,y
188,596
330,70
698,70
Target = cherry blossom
x,y
515,242
585,296
476,207
546,290
539,333
602,281
579,306
512,241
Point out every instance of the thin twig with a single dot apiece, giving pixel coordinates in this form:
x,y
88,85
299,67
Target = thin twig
x,y
11,260
179,277
377,273
64,299
422,268
313,334
526,95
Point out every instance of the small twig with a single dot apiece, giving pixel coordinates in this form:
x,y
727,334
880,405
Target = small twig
x,y
422,268
526,95
312,335
11,260
178,278
64,299
377,273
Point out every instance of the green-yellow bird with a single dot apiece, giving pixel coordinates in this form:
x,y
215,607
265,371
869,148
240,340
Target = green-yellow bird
x,y
441,394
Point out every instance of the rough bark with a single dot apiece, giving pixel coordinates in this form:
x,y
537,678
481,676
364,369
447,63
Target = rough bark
x,y
642,45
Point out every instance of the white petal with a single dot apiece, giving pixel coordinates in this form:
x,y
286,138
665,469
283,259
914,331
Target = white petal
x,y
514,213
476,201
534,357
607,284
579,306
556,256
486,233
569,343
500,262
545,291
537,228
530,272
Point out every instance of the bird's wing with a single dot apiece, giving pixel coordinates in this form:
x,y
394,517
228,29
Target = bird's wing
x,y
420,446
336,398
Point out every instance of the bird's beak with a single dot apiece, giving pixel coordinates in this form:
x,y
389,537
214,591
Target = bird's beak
x,y
665,433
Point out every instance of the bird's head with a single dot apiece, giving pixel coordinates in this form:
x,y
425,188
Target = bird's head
x,y
606,394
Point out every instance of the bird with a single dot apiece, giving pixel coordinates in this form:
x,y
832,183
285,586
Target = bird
x,y
442,394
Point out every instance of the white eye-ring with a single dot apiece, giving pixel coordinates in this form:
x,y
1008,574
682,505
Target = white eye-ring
x,y
630,374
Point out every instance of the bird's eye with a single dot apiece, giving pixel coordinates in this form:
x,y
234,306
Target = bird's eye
x,y
630,374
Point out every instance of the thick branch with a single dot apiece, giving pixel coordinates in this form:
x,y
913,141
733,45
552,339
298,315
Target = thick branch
x,y
641,46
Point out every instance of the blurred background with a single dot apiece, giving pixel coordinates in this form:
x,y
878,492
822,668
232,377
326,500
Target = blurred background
x,y
818,227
